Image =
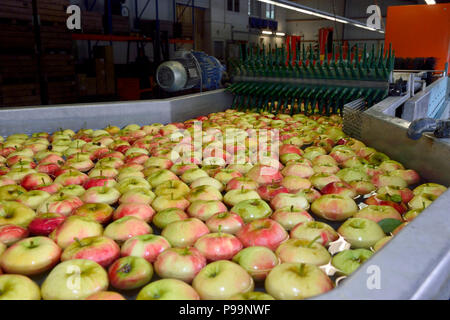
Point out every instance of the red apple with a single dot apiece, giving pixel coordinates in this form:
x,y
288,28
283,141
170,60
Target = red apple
x,y
228,222
102,250
377,200
218,246
11,233
268,192
140,210
262,232
44,223
147,246
341,188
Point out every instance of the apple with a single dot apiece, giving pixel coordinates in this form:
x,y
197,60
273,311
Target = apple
x,y
262,232
421,201
11,192
18,287
185,232
243,168
295,281
412,214
264,174
228,222
347,261
390,165
165,202
168,289
287,199
166,216
18,173
362,187
161,176
399,228
253,295
137,195
310,230
430,188
163,163
30,256
72,190
44,223
250,210
290,149
205,192
51,188
386,200
193,174
334,207
12,212
106,295
99,181
395,193
293,184
181,168
72,177
180,263
102,171
130,183
10,234
303,251
341,188
383,180
377,158
218,246
320,180
268,192
324,160
221,280
60,203
381,243
99,212
107,195
75,227
2,249
378,213
125,228
204,209
102,250
147,246
257,261
289,217
241,183
74,280
361,232
129,273
140,210
33,180
298,170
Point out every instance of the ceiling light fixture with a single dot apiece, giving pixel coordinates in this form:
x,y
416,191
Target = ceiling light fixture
x,y
320,14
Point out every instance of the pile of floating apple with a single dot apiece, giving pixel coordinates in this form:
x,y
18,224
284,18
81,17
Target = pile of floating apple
x,y
103,212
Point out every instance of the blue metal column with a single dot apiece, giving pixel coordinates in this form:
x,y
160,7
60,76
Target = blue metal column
x,y
193,23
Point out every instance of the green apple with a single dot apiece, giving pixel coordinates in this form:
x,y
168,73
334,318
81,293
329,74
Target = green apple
x,y
378,213
257,261
205,192
185,232
130,183
312,229
166,216
291,216
176,187
208,181
30,256
421,201
75,227
74,280
303,251
348,261
221,280
361,232
193,174
294,281
12,212
168,289
380,243
127,227
11,192
352,174
334,207
252,209
72,190
18,287
33,199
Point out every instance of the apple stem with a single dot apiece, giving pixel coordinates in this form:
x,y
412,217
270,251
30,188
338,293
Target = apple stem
x,y
302,269
292,208
220,229
313,241
78,241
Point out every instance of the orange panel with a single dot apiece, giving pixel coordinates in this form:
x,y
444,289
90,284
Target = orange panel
x,y
420,31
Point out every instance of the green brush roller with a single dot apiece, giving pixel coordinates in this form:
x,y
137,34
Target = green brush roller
x,y
303,83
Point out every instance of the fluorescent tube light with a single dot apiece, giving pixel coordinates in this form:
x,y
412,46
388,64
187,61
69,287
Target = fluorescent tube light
x,y
280,34
430,1
266,32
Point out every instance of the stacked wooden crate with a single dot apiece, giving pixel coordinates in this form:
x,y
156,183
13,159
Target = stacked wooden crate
x,y
19,82
57,61
92,22
120,25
